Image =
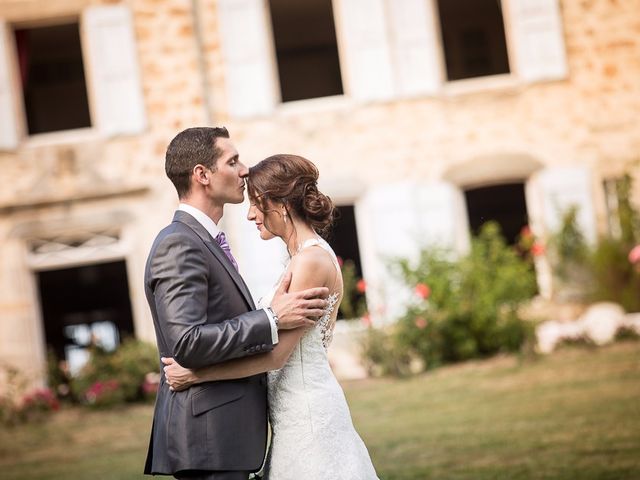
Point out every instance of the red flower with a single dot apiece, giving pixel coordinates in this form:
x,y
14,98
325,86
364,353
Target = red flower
x,y
361,286
366,320
421,323
537,249
423,291
634,255
340,261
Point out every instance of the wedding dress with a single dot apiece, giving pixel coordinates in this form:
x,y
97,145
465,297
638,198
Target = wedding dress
x,y
312,433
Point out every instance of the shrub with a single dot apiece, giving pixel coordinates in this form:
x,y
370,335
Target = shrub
x,y
383,354
463,308
104,394
570,256
616,279
36,404
605,272
120,376
19,403
353,304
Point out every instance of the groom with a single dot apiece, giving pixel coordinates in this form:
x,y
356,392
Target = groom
x,y
203,314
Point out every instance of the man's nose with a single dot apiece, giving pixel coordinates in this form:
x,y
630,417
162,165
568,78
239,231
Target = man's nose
x,y
244,171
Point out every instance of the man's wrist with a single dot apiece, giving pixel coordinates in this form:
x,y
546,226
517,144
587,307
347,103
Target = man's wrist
x,y
274,316
273,323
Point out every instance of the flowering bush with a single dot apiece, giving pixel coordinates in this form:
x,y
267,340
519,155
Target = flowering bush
x,y
37,403
569,254
120,376
463,308
353,303
610,271
20,404
104,394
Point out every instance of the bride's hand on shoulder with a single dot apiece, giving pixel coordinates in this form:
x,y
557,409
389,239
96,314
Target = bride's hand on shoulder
x,y
178,378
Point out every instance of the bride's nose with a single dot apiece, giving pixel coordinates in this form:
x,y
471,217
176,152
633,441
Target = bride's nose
x,y
251,214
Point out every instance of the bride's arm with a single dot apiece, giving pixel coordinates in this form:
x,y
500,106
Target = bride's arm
x,y
308,270
180,378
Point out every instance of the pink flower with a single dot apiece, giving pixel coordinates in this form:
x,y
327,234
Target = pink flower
x,y
340,261
421,323
537,249
423,291
361,286
97,389
634,255
366,319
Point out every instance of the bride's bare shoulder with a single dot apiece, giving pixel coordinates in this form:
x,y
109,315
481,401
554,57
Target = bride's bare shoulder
x,y
313,264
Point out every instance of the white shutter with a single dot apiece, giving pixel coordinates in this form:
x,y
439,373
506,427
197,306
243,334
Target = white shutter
x,y
113,69
404,218
8,117
362,28
260,262
415,47
563,187
539,41
441,213
248,57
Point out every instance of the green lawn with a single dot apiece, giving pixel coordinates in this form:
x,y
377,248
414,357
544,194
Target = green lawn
x,y
572,415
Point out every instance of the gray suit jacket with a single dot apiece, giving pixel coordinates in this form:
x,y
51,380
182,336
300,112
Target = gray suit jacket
x,y
203,314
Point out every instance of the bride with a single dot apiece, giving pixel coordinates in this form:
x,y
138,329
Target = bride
x,y
312,433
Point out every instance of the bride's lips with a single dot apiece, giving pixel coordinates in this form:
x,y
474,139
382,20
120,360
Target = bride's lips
x,y
259,226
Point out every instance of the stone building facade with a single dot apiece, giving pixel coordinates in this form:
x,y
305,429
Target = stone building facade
x,y
425,118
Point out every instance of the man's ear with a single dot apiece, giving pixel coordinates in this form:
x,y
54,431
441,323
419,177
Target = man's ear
x,y
200,174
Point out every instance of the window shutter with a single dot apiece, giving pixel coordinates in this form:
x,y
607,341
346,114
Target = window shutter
x,y
261,263
248,57
563,187
363,33
415,43
441,212
113,69
8,112
539,41
404,218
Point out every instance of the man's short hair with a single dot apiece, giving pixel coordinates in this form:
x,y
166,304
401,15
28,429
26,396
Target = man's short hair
x,y
193,146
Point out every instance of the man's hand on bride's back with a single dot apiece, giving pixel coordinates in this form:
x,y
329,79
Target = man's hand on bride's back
x,y
298,309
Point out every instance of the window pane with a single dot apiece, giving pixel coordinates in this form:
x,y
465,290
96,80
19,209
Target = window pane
x,y
306,49
473,38
52,77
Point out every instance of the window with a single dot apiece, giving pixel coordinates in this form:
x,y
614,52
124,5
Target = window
x,y
52,78
85,306
504,204
473,37
306,49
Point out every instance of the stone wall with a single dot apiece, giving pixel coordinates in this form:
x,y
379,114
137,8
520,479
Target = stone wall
x,y
590,118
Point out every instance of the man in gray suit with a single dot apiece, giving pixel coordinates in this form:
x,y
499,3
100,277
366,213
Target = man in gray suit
x,y
203,314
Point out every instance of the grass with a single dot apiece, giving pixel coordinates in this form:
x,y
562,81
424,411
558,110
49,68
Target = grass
x,y
572,415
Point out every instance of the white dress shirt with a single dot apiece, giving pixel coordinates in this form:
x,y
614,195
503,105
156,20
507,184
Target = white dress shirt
x,y
211,227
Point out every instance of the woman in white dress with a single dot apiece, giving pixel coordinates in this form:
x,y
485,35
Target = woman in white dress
x,y
312,433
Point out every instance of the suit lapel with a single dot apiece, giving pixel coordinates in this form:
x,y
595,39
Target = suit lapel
x,y
216,251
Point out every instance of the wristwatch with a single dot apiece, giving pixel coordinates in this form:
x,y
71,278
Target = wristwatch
x,y
274,316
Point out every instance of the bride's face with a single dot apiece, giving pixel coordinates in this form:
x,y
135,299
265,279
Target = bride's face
x,y
270,223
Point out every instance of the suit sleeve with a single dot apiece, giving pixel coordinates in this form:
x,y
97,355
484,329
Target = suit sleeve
x,y
179,281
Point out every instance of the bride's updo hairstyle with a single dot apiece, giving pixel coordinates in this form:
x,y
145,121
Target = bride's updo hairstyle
x,y
292,180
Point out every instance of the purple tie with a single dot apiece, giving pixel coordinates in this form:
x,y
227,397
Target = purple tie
x,y
221,238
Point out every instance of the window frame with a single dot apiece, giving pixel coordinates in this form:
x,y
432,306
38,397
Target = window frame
x,y
58,136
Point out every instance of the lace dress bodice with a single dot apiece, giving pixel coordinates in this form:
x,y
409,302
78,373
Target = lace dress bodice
x,y
313,435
